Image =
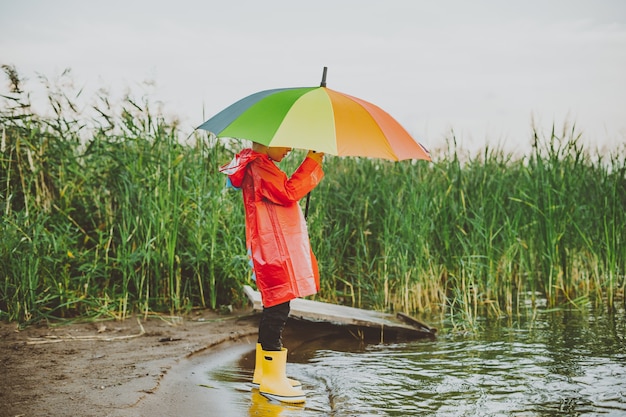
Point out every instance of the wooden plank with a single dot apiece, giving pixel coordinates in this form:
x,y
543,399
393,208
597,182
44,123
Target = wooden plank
x,y
318,311
415,322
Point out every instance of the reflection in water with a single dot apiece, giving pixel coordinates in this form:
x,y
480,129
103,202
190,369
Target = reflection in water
x,y
566,364
262,407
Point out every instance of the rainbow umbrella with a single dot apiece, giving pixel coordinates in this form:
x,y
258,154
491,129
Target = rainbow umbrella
x,y
317,118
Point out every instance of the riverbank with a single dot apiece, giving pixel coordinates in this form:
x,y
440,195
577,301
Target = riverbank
x,y
104,368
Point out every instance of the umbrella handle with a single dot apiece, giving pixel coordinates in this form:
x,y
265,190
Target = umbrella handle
x,y
306,206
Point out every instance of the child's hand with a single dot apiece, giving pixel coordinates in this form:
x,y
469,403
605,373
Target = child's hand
x,y
316,156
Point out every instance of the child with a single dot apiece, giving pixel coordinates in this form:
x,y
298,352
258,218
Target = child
x,y
278,244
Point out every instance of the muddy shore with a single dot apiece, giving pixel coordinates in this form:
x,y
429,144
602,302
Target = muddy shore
x,y
108,368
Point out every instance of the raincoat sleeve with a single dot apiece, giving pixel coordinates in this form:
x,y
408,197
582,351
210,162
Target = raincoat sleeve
x,y
277,188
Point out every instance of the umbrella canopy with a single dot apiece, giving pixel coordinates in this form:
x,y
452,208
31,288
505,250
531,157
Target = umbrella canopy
x,y
316,118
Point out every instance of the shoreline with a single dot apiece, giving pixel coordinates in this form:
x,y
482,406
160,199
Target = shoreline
x,y
105,368
186,391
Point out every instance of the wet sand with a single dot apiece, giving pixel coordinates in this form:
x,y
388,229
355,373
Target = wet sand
x,y
106,368
188,390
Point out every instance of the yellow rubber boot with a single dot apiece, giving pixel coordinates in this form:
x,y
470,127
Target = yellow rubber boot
x,y
258,370
274,384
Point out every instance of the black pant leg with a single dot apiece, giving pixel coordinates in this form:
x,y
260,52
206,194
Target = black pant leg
x,y
273,320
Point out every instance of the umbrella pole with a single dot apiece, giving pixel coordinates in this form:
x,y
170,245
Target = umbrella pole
x,y
308,196
306,206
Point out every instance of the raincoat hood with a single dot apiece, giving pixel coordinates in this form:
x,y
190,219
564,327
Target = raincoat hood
x,y
236,169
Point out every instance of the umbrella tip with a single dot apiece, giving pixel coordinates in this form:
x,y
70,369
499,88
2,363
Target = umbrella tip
x,y
323,83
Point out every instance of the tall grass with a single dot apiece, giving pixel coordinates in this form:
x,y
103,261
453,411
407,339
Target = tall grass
x,y
488,234
107,211
127,219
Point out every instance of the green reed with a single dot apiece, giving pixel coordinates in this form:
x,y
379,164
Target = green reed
x,y
112,222
109,212
488,234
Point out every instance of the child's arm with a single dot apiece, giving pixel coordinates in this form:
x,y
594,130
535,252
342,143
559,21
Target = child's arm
x,y
276,187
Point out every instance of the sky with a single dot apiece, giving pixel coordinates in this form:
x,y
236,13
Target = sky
x,y
485,71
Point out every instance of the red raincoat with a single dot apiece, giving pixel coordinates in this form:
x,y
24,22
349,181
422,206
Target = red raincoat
x,y
276,233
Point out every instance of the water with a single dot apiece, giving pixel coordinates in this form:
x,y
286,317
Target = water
x,y
560,364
